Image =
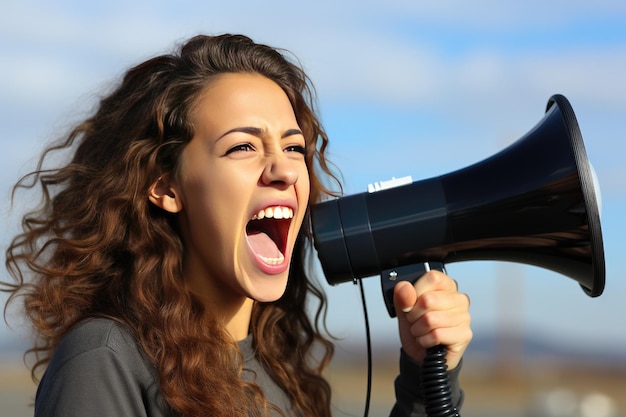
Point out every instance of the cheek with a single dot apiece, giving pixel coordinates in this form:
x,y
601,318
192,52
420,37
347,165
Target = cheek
x,y
306,192
304,185
207,206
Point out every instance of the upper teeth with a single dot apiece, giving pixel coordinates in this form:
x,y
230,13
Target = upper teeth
x,y
277,212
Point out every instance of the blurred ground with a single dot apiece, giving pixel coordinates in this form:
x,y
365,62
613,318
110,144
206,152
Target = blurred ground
x,y
17,390
544,388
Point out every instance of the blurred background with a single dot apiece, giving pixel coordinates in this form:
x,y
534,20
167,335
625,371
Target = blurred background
x,y
416,88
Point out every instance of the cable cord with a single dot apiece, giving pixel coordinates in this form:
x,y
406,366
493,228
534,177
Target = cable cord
x,y
436,384
368,339
435,381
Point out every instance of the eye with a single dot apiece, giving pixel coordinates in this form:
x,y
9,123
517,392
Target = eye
x,y
242,147
296,148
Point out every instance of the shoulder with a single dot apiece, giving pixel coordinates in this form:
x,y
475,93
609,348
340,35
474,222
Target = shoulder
x,y
96,337
94,333
98,368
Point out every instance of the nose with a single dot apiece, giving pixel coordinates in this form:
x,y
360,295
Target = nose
x,y
280,170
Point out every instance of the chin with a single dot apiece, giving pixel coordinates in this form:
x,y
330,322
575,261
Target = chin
x,y
267,289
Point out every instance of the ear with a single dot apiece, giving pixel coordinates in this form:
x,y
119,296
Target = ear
x,y
163,193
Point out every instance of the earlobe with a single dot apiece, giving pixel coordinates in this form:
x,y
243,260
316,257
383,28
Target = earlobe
x,y
162,193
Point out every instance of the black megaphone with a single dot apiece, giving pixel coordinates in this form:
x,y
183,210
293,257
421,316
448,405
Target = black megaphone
x,y
534,203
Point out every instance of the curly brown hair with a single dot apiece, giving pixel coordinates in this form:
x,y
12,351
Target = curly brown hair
x,y
97,247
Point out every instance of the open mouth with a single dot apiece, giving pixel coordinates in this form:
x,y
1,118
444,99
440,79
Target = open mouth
x,y
267,233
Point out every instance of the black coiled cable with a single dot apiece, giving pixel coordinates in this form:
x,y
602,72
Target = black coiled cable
x,y
438,400
436,384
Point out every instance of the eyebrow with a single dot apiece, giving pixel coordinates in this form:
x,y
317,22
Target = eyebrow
x,y
257,131
291,132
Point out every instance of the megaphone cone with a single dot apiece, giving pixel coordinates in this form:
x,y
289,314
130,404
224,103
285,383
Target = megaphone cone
x,y
533,203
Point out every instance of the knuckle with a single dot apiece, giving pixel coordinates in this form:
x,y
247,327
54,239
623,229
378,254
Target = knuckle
x,y
429,319
435,277
437,336
427,300
467,299
416,330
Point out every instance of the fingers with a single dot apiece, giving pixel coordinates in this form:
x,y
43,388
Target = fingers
x,y
404,298
432,312
429,306
427,293
446,321
435,281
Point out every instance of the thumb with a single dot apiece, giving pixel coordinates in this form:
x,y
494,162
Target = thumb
x,y
404,297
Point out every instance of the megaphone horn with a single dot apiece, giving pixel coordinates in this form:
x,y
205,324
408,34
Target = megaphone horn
x,y
533,203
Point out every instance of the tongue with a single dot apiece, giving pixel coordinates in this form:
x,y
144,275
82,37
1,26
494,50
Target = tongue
x,y
263,245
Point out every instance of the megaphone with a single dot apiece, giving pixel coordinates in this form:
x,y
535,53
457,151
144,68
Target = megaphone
x,y
534,203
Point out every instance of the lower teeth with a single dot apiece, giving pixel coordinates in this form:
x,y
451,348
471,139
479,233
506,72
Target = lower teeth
x,y
273,261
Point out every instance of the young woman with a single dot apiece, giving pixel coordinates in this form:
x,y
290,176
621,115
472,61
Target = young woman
x,y
165,273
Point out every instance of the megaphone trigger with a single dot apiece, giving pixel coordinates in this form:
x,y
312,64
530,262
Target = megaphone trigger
x,y
390,277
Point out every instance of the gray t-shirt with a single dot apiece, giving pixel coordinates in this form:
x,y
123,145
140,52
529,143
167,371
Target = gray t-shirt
x,y
98,370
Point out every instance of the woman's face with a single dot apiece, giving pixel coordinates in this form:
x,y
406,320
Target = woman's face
x,y
243,186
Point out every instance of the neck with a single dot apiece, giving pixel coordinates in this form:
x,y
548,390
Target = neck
x,y
234,311
231,308
237,323
234,314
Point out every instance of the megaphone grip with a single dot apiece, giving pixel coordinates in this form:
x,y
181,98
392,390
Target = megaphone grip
x,y
435,383
390,277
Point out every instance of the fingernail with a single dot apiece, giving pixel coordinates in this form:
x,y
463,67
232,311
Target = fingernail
x,y
407,309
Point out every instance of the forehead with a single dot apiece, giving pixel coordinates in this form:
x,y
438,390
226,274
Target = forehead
x,y
236,100
241,92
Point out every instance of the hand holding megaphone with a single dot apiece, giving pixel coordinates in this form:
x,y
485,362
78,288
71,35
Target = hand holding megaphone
x,y
432,312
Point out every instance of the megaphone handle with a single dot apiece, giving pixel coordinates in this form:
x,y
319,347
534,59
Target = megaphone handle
x,y
435,381
390,277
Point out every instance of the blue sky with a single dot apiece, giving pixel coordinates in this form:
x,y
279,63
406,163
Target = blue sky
x,y
410,87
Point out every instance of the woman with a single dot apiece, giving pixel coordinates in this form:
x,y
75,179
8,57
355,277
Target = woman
x,y
165,273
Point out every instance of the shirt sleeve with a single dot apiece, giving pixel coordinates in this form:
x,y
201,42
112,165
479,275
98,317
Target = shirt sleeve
x,y
96,383
98,371
408,388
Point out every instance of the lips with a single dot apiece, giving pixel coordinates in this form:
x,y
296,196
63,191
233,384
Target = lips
x,y
267,234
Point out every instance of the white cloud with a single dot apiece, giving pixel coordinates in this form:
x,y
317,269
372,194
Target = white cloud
x,y
347,58
56,57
